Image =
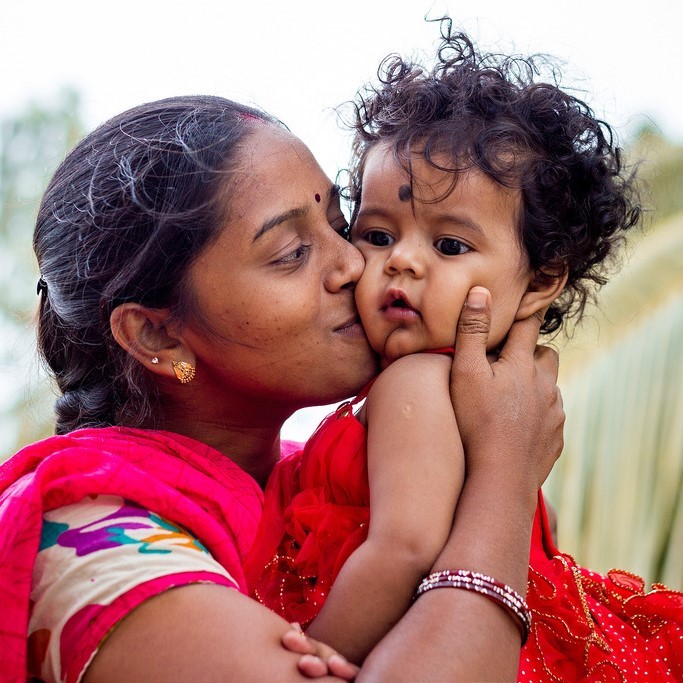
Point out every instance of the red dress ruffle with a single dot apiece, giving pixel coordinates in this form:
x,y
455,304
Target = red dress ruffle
x,y
316,512
585,626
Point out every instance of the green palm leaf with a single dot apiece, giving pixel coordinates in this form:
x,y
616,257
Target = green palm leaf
x,y
618,488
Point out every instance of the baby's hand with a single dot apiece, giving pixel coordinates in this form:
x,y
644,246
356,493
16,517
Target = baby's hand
x,y
317,659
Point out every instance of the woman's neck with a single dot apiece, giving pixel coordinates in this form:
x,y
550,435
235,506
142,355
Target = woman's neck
x,y
253,445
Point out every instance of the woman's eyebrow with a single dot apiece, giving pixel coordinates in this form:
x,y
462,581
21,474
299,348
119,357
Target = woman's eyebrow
x,y
280,218
297,212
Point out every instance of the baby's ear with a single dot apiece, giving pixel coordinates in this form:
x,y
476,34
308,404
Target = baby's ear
x,y
543,289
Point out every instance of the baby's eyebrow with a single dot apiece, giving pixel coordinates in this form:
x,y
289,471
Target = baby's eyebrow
x,y
460,221
374,211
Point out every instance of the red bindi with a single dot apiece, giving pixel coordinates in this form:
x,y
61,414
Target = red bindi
x,y
317,198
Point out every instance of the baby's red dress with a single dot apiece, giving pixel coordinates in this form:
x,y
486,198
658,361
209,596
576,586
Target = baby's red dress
x,y
585,626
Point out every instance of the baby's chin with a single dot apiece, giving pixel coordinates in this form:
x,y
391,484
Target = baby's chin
x,y
397,348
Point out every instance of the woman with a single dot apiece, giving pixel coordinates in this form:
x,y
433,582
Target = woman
x,y
195,292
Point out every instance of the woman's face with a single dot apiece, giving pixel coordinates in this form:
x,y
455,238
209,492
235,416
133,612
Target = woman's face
x,y
276,287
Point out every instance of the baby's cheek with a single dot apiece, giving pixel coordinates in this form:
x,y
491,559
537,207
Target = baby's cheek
x,y
447,321
501,322
446,340
366,292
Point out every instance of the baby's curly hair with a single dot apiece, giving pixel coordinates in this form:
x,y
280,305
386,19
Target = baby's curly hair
x,y
487,112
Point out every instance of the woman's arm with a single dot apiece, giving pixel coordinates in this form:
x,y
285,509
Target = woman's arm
x,y
207,632
510,418
416,469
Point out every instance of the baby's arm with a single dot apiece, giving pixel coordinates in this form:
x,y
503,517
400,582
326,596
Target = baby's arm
x,y
416,469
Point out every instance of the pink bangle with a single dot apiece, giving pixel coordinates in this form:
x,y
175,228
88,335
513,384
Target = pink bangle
x,y
500,593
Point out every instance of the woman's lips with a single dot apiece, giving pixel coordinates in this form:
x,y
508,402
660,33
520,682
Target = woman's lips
x,y
351,328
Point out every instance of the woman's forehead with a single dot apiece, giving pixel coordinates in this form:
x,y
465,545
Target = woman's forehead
x,y
276,175
274,156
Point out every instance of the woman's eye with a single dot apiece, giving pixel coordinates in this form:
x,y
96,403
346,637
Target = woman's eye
x,y
449,246
378,238
295,256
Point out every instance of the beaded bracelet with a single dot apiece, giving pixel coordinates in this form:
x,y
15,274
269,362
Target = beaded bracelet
x,y
498,592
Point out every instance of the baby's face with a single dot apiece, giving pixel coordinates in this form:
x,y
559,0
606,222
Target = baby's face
x,y
423,256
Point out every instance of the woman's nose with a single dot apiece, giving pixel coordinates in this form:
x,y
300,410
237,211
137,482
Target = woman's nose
x,y
405,257
345,265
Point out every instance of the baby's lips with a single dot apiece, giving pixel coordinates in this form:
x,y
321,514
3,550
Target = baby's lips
x,y
393,295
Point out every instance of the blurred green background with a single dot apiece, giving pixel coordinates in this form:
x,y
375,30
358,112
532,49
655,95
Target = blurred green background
x,y
618,488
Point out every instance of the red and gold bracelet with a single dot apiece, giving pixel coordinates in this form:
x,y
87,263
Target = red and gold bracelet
x,y
500,593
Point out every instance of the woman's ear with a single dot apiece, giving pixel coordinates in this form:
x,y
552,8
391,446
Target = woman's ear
x,y
543,289
145,333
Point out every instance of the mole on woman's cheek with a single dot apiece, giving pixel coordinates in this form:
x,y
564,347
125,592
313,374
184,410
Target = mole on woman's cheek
x,y
405,193
317,198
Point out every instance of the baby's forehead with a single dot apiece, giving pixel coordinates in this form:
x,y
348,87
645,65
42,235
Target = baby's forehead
x,y
412,176
452,154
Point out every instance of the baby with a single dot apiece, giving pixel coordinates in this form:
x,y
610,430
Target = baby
x,y
471,174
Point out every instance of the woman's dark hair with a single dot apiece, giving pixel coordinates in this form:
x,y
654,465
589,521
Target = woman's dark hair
x,y
122,219
487,112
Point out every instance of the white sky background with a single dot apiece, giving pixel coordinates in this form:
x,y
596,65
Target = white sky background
x,y
299,59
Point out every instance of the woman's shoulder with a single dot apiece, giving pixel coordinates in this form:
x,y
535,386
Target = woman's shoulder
x,y
99,559
177,477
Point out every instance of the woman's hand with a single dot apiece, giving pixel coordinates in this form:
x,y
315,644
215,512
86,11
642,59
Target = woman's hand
x,y
317,659
510,417
509,411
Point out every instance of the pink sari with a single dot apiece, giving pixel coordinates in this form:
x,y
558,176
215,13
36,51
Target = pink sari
x,y
178,478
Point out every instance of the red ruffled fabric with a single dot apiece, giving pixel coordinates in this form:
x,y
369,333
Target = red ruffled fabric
x,y
316,514
585,626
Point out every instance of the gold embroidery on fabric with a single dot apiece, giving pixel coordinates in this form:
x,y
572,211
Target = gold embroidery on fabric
x,y
594,637
543,619
543,590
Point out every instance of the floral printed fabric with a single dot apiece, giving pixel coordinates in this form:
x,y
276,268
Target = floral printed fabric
x,y
182,481
97,560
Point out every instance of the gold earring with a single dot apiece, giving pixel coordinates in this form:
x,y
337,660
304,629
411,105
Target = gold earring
x,y
183,371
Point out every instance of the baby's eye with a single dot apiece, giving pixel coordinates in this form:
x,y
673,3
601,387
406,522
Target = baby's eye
x,y
449,246
378,238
